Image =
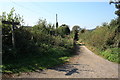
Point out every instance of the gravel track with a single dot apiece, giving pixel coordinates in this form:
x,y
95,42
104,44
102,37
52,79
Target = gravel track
x,y
85,64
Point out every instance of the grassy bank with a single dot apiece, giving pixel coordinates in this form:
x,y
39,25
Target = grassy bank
x,y
111,54
31,55
103,40
54,56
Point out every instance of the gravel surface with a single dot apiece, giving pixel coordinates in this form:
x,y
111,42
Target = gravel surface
x,y
85,64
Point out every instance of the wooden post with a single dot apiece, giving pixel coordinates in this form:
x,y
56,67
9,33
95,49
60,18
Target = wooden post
x,y
12,28
13,36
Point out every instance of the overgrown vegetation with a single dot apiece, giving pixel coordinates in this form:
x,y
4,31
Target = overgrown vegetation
x,y
38,47
104,40
44,45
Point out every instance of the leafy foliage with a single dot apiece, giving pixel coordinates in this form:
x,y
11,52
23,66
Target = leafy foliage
x,y
76,28
105,37
8,50
36,47
63,30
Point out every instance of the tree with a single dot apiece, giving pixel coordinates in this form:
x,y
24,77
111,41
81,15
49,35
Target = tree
x,y
7,28
76,28
117,5
105,24
8,38
42,26
83,30
63,30
51,29
117,31
76,36
113,22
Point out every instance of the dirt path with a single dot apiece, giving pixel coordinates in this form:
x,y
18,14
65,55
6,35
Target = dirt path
x,y
84,65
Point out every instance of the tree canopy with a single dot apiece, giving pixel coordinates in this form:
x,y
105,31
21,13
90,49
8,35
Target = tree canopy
x,y
76,28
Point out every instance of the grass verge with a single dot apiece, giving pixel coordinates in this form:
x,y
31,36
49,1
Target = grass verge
x,y
111,54
53,57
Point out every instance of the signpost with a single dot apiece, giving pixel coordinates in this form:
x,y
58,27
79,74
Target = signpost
x,y
12,28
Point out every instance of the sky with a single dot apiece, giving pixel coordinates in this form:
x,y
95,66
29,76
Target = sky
x,y
85,14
